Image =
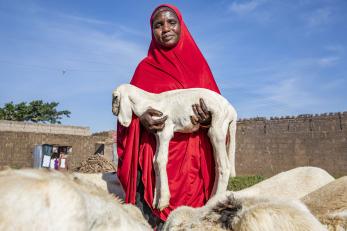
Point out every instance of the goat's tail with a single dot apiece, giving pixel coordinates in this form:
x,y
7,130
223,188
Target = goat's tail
x,y
231,145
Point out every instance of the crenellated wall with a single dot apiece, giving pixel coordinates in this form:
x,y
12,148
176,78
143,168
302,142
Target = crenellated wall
x,y
264,146
268,146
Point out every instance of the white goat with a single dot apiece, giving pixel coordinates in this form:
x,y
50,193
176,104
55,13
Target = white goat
x,y
329,204
244,214
177,105
38,200
291,184
284,189
109,182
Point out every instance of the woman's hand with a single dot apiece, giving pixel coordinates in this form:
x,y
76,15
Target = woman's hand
x,y
202,114
153,125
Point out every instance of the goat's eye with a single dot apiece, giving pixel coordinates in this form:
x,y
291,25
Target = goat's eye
x,y
115,99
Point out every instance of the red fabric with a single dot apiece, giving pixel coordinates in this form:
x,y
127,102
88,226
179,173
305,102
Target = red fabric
x,y
190,166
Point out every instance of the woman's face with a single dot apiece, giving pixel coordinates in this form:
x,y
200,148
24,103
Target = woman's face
x,y
166,28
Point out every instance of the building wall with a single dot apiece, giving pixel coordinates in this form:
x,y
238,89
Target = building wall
x,y
266,147
18,139
16,126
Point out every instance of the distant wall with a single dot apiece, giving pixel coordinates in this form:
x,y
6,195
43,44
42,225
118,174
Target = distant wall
x,y
18,139
268,146
16,126
264,146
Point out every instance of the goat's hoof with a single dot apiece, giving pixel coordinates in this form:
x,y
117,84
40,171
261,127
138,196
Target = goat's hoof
x,y
164,201
163,204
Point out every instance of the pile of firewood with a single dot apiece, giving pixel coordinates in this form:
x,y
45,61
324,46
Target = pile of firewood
x,y
96,164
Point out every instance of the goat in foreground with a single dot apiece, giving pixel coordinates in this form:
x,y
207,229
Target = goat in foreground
x,y
176,104
292,184
270,205
244,214
329,204
36,200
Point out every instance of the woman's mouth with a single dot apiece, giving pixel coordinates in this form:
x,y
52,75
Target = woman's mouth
x,y
167,38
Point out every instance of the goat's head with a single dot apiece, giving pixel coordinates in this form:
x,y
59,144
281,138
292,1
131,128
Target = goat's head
x,y
121,105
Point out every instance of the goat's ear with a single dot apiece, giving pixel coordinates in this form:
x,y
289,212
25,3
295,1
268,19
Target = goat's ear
x,y
125,111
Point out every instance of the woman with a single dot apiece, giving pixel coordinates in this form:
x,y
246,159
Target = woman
x,y
173,62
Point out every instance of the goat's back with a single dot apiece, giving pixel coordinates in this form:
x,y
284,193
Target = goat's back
x,y
297,183
245,214
191,96
179,103
329,204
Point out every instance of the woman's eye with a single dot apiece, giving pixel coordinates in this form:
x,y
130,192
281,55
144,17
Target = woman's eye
x,y
157,25
173,22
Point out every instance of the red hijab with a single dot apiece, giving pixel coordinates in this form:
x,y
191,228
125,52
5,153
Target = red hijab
x,y
190,166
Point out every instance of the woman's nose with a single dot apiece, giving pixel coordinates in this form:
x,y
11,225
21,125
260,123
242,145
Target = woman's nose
x,y
166,27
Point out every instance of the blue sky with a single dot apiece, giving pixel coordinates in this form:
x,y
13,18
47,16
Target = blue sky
x,y
269,57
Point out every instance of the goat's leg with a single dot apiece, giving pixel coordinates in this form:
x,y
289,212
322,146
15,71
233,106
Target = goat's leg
x,y
162,192
231,146
217,134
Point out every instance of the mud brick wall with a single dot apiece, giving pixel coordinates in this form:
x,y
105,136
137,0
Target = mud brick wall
x,y
18,139
264,146
269,146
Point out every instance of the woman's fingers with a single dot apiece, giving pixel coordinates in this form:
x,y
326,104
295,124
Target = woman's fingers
x,y
203,106
156,128
157,124
202,114
198,112
159,121
154,112
151,124
194,120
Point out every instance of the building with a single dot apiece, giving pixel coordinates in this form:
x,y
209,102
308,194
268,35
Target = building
x,y
18,140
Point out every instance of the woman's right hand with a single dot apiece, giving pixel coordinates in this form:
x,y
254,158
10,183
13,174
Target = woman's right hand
x,y
153,125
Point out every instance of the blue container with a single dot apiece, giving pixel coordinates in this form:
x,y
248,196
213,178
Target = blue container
x,y
37,156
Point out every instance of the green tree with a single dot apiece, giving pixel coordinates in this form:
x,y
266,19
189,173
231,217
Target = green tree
x,y
35,111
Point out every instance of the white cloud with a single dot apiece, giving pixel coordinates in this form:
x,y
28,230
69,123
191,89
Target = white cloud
x,y
287,92
327,61
83,19
97,22
285,87
285,96
245,7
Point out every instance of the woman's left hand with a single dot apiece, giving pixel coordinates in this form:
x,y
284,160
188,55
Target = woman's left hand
x,y
202,114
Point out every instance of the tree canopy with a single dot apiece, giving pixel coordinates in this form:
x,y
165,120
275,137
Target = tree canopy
x,y
35,111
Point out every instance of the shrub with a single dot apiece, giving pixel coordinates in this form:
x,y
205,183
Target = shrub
x,y
240,182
